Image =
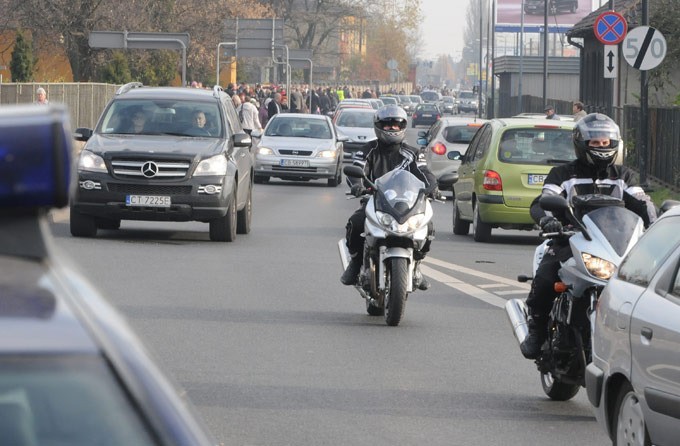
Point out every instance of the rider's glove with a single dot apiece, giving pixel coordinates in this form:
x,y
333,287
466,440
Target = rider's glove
x,y
357,190
550,224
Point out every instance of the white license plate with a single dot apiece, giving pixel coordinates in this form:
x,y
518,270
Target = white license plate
x,y
536,179
294,163
156,201
427,116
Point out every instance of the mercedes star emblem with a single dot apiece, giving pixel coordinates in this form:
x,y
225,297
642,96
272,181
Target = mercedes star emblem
x,y
149,169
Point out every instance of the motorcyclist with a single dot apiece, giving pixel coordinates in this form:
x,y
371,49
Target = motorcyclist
x,y
385,154
596,138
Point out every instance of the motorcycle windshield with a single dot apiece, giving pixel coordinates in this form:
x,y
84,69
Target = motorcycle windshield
x,y
617,225
398,193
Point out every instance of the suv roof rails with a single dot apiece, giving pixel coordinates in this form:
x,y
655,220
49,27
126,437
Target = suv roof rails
x,y
216,91
129,86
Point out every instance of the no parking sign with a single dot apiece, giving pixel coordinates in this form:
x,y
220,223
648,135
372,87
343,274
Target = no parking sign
x,y
610,28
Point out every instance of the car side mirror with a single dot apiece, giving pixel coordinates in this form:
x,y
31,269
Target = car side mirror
x,y
82,134
256,133
242,140
454,155
422,141
422,134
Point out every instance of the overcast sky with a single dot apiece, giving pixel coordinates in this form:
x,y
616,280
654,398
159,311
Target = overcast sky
x,y
443,26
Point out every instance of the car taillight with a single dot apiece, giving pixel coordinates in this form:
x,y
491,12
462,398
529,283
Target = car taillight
x,y
492,180
439,149
438,117
415,116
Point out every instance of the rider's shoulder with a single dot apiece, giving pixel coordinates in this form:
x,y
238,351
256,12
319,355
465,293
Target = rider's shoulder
x,y
410,148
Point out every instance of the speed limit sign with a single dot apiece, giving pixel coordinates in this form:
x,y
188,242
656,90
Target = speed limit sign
x,y
644,47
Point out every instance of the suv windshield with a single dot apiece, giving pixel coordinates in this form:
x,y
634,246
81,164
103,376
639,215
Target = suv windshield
x,y
172,117
431,96
299,128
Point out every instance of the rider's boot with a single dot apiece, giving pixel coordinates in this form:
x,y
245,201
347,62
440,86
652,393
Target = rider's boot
x,y
351,274
419,280
531,347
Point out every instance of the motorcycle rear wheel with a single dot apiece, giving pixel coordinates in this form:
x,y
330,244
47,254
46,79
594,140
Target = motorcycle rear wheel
x,y
396,289
556,389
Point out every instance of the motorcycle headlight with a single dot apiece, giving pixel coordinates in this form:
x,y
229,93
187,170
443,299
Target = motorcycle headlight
x,y
597,267
215,165
90,162
414,222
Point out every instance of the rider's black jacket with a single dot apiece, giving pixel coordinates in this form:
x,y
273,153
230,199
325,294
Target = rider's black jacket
x,y
381,160
578,178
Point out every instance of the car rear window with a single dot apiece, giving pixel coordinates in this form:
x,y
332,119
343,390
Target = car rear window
x,y
459,133
429,96
350,118
536,145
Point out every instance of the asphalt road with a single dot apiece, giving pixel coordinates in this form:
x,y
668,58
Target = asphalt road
x,y
273,350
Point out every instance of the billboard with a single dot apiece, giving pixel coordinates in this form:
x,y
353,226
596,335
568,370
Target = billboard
x,y
562,14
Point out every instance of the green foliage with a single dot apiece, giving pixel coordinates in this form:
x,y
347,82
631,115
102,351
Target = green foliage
x,y
117,70
667,24
659,194
156,67
22,65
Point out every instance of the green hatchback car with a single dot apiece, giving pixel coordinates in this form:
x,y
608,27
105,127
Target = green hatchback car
x,y
503,171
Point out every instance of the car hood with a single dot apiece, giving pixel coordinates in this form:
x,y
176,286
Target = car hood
x,y
291,143
180,145
359,134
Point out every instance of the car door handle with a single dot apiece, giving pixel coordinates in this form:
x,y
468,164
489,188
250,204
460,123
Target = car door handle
x,y
647,333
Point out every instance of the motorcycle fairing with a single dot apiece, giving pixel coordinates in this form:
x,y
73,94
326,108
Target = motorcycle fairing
x,y
400,194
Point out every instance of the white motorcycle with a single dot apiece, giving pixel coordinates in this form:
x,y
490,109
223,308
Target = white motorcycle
x,y
604,231
397,216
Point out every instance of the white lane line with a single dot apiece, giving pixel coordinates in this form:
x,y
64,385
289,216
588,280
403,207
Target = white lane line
x,y
474,272
493,285
511,292
463,287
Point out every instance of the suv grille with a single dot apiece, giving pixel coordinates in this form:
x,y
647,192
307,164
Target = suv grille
x,y
150,168
147,189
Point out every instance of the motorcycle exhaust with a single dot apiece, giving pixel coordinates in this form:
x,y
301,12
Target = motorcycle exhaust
x,y
516,310
344,254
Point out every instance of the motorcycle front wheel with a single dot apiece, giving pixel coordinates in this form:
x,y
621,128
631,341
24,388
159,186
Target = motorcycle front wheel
x,y
396,289
556,389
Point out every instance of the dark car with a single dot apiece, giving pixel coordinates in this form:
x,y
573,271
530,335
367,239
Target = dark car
x,y
554,6
425,114
165,154
71,370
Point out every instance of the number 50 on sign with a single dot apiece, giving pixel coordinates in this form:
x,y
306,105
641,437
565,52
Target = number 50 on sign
x,y
644,47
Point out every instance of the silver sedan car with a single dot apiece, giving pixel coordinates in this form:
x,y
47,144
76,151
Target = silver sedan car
x,y
447,135
299,147
633,381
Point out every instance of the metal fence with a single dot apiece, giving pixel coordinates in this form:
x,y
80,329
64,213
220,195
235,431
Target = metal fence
x,y
663,154
85,101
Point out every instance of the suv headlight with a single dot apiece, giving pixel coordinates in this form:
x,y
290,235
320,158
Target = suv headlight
x,y
215,165
265,151
91,162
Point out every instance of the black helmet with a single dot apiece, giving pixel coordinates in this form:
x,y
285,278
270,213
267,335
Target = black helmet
x,y
390,114
596,125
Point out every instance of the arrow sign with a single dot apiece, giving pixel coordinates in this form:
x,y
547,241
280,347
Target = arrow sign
x,y
611,61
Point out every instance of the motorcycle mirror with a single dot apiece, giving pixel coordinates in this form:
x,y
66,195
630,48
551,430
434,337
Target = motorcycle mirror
x,y
447,180
553,203
353,171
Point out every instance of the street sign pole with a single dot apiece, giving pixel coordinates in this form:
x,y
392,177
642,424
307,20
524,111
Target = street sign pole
x,y
644,110
611,61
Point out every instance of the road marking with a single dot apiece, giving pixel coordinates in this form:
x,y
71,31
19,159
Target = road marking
x,y
478,291
463,287
474,272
